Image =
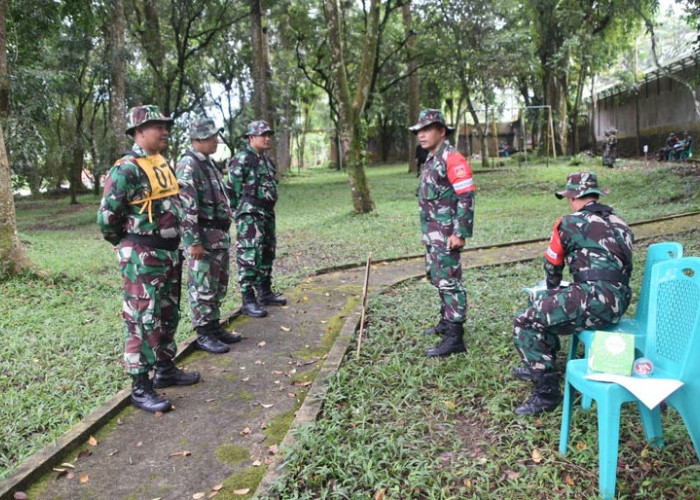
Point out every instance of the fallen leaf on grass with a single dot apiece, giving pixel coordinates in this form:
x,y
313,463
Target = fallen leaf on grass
x,y
60,471
466,482
580,446
84,478
301,383
20,495
243,491
277,372
212,494
266,406
210,400
291,395
120,421
510,474
245,431
259,362
113,452
450,405
66,464
92,441
261,344
285,328
140,443
84,453
246,379
536,456
184,453
159,414
272,450
379,495
568,480
257,463
199,495
217,487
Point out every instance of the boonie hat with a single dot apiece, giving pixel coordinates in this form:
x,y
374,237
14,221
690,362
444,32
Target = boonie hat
x,y
203,128
581,184
258,127
430,116
143,114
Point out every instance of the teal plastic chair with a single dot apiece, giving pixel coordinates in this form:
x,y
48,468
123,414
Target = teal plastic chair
x,y
658,252
672,344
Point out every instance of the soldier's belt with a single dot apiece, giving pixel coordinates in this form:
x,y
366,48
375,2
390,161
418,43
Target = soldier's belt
x,y
601,275
154,241
257,202
224,225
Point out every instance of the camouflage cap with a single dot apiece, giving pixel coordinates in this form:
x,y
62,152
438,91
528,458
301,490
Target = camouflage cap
x,y
258,127
579,185
143,114
428,117
203,128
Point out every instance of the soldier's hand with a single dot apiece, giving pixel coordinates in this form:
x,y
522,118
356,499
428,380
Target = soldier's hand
x,y
196,252
455,242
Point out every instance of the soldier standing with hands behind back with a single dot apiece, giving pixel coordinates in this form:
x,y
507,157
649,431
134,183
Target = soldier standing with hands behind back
x,y
253,193
205,234
446,200
139,215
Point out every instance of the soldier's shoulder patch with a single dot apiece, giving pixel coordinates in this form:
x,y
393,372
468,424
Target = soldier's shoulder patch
x,y
459,173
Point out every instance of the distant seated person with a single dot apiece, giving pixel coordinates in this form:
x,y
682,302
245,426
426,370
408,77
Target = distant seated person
x,y
682,149
666,152
503,149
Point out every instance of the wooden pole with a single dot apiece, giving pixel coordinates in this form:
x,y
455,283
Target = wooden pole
x,y
365,293
551,131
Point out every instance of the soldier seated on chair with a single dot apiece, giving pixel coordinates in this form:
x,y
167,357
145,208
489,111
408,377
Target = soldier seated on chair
x,y
596,244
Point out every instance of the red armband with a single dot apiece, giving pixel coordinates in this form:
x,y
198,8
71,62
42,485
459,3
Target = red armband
x,y
459,173
555,251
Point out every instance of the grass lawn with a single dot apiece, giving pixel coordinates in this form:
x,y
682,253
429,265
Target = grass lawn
x,y
61,329
398,426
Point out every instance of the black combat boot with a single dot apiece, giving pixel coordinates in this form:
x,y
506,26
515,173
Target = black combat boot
x,y
251,307
545,394
438,329
227,337
167,374
452,342
207,339
524,373
143,396
266,297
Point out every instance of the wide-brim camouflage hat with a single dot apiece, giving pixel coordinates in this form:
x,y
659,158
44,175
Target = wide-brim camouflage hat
x,y
258,127
428,117
143,114
203,128
581,184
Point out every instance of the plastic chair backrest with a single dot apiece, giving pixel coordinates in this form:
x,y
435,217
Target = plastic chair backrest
x,y
658,252
673,340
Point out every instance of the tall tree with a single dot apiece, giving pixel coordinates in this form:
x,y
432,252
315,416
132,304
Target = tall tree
x,y
351,108
117,79
12,258
261,61
413,83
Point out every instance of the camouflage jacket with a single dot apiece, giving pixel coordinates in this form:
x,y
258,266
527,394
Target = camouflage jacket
x,y
252,183
123,210
592,239
446,196
205,204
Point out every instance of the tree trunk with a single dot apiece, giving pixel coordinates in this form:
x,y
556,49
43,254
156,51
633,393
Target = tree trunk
x,y
155,53
555,95
116,140
4,76
352,128
413,85
12,259
261,63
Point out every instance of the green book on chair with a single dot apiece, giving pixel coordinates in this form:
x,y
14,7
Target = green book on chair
x,y
612,352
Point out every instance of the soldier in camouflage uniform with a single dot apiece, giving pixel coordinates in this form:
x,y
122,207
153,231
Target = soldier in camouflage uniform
x,y
596,245
139,215
253,193
446,200
205,234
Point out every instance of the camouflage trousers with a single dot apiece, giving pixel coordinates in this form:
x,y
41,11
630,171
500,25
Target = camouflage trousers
x,y
150,310
255,249
207,284
444,270
564,311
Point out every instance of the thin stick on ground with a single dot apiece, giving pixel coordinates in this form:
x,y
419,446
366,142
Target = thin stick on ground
x,y
365,292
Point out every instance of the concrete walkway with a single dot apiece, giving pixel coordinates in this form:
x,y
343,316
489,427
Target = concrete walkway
x,y
224,435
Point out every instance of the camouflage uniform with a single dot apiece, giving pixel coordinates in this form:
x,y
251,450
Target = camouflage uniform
x,y
253,193
596,245
206,222
147,236
446,201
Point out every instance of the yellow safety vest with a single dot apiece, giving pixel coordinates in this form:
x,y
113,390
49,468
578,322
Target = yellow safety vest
x,y
161,179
